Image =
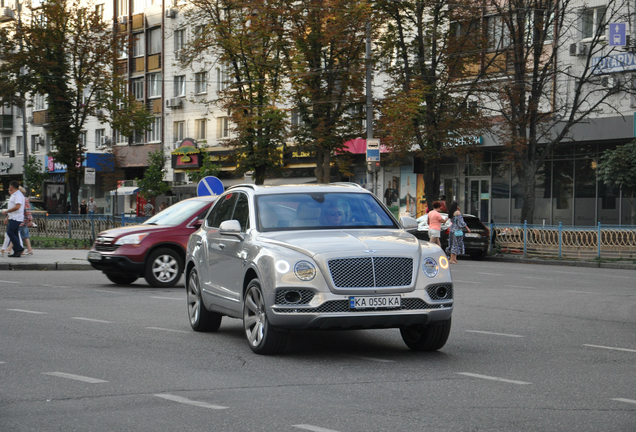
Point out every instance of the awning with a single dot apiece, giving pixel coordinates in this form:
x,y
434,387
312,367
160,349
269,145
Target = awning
x,y
125,190
359,146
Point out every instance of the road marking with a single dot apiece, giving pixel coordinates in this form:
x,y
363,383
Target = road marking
x,y
165,329
625,400
186,401
563,272
28,311
610,348
524,287
372,359
491,274
1,362
92,320
496,334
75,377
620,277
533,277
468,282
313,428
13,282
109,292
486,377
580,292
168,298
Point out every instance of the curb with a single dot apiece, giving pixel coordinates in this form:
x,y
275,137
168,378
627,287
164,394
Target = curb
x,y
52,266
562,263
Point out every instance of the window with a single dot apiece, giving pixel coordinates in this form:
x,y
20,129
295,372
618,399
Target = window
x,y
82,139
122,7
197,31
154,41
35,143
179,40
222,82
154,134
138,88
6,145
19,145
242,212
99,135
120,138
199,129
222,127
99,11
48,143
201,82
592,22
179,85
498,36
154,85
222,211
39,102
138,137
296,119
178,132
139,42
122,47
138,6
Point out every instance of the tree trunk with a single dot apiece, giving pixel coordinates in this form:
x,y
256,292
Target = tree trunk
x,y
527,181
323,165
432,170
259,174
73,185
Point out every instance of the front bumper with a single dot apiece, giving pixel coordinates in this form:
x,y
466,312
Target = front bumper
x,y
117,264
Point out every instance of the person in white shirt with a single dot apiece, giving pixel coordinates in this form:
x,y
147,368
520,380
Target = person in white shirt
x,y
15,210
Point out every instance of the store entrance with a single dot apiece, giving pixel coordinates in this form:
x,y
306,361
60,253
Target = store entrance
x,y
479,203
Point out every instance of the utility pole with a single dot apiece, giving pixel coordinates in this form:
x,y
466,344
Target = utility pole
x,y
23,107
371,166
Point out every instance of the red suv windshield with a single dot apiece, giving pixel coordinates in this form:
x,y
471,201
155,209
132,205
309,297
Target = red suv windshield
x,y
177,213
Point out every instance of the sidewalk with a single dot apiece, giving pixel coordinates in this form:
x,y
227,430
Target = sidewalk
x,y
622,265
48,259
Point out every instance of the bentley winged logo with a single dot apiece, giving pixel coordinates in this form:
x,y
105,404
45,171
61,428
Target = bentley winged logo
x,y
370,251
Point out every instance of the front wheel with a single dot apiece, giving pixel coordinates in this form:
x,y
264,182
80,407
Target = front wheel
x,y
262,337
201,319
426,338
120,279
163,268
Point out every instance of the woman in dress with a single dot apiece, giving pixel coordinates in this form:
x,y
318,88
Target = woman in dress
x,y
456,243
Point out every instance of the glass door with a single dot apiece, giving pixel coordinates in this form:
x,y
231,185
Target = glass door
x,y
480,199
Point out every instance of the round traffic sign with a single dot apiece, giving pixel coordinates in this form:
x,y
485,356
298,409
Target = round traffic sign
x,y
210,186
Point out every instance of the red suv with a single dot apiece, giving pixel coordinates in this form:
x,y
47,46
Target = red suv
x,y
154,250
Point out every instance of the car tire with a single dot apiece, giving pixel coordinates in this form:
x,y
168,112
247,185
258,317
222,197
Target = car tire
x,y
261,336
201,319
426,338
478,256
163,268
120,279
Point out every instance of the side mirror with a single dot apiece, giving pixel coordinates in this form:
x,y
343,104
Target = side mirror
x,y
408,222
231,228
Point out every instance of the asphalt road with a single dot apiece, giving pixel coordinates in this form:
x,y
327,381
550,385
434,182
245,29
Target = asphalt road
x,y
533,348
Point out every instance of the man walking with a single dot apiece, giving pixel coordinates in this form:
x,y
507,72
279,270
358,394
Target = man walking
x,y
15,210
92,206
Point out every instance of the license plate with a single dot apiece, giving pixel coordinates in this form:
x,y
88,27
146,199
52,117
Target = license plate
x,y
92,255
376,302
473,235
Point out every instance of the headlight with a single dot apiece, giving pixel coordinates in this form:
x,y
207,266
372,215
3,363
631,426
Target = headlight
x,y
282,266
443,262
429,266
133,239
305,271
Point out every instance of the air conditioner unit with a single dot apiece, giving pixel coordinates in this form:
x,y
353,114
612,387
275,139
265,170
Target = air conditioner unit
x,y
39,141
581,50
6,14
174,103
123,19
100,113
30,119
104,141
171,13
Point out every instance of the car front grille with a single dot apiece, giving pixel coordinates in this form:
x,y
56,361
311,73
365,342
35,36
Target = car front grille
x,y
371,272
337,306
105,244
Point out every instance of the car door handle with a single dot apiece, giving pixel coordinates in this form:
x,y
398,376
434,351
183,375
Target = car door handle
x,y
221,245
199,242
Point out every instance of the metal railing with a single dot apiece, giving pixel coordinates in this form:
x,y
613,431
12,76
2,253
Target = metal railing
x,y
601,241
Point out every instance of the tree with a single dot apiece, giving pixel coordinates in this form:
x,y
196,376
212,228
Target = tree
x,y
208,168
618,168
152,184
535,91
429,103
35,173
247,44
66,53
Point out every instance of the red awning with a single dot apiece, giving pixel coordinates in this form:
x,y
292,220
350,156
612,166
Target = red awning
x,y
359,146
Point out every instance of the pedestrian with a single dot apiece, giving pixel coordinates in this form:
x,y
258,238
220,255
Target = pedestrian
x,y
388,194
83,208
442,200
163,206
148,209
456,233
26,224
7,245
435,220
92,206
15,210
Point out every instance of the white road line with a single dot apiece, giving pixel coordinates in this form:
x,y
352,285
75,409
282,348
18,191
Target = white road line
x,y
491,274
165,329
109,292
468,282
13,282
534,277
313,428
517,286
75,377
168,298
610,348
92,320
625,400
28,311
372,359
186,401
564,272
496,334
580,292
486,377
3,362
620,277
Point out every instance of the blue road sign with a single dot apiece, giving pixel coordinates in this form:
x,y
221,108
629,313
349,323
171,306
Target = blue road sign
x,y
373,150
210,186
617,34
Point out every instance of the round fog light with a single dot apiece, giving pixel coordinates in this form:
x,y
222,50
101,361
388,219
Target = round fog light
x,y
442,292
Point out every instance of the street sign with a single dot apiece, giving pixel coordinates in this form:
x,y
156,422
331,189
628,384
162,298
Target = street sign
x,y
617,34
89,176
210,185
373,150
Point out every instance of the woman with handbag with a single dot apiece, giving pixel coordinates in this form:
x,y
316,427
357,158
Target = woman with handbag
x,y
456,232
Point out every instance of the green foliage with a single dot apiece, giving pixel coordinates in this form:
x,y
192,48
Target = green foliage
x,y
618,167
208,168
152,184
35,176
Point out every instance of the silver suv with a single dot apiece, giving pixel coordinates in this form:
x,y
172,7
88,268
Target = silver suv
x,y
315,257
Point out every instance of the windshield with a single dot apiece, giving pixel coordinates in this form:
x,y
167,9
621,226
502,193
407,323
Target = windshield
x,y
302,211
178,213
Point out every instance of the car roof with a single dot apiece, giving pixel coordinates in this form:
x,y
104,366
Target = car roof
x,y
301,188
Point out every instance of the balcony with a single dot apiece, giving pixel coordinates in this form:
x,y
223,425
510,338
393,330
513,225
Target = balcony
x,y
41,118
138,22
138,64
6,123
6,14
154,62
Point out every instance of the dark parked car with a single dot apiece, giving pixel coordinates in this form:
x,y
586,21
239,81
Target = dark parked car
x,y
476,242
154,250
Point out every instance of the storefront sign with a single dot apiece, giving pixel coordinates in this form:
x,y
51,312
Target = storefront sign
x,y
5,167
187,155
613,63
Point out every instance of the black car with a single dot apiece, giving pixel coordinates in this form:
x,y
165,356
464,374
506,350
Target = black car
x,y
476,242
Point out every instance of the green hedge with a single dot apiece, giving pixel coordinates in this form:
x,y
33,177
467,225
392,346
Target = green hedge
x,y
60,243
